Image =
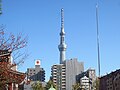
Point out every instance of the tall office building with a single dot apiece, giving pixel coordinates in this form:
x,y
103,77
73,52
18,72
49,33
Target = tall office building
x,y
64,74
73,68
37,73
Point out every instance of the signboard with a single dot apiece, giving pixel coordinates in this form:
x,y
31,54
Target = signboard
x,y
37,62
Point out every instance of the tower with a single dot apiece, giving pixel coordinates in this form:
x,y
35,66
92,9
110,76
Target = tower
x,y
64,74
62,46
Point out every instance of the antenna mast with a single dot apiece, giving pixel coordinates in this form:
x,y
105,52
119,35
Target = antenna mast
x,y
98,48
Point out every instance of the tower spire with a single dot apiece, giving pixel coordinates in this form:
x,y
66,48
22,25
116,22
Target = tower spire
x,y
62,18
62,45
62,22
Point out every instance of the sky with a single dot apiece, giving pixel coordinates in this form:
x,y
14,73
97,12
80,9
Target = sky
x,y
40,20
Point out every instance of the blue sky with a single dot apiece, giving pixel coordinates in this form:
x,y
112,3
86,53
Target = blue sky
x,y
40,21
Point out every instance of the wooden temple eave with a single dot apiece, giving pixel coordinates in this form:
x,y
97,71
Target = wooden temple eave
x,y
7,75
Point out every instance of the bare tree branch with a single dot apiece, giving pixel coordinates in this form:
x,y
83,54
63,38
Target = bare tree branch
x,y
13,43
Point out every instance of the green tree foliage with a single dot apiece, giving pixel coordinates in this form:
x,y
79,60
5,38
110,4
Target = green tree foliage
x,y
37,86
49,83
96,84
77,86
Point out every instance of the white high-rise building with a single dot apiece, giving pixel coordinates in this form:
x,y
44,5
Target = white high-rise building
x,y
59,76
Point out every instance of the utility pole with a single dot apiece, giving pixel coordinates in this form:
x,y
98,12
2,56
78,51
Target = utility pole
x,y
98,47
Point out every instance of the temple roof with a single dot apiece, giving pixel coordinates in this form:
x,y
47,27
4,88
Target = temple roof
x,y
52,88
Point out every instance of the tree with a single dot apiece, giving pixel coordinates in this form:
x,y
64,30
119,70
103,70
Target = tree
x,y
11,45
37,86
49,83
77,86
96,84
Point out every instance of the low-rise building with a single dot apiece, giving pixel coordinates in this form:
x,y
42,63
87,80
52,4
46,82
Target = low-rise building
x,y
86,79
85,83
110,81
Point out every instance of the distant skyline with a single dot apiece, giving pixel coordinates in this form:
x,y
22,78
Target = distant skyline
x,y
40,20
